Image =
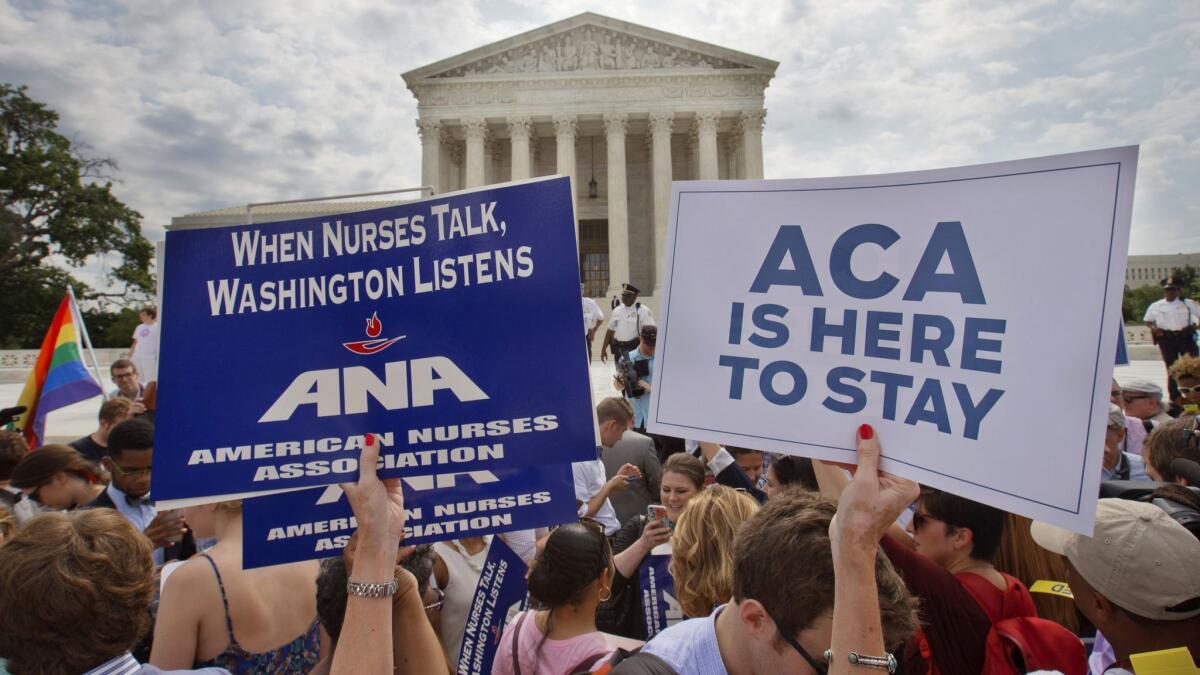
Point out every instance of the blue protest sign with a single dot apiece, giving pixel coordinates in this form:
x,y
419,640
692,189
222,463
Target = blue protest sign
x,y
317,522
660,608
448,327
499,595
1122,347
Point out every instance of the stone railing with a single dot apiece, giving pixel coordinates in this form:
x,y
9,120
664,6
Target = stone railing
x,y
23,359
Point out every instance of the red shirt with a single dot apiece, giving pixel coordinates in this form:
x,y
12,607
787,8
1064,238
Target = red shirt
x,y
957,612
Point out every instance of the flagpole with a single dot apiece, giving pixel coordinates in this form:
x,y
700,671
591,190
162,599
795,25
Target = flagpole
x,y
87,341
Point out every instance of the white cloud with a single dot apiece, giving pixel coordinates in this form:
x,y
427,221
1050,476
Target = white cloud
x,y
219,103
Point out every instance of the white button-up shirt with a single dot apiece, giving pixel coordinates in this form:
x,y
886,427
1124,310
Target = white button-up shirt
x,y
1174,315
589,480
626,322
592,314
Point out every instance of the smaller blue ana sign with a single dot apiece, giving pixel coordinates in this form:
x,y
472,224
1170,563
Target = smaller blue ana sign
x,y
499,595
660,608
449,327
317,523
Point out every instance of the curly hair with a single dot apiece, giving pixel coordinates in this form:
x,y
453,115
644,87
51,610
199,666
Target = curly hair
x,y
63,572
702,547
1187,366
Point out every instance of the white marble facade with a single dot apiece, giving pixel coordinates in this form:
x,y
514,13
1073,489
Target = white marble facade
x,y
598,99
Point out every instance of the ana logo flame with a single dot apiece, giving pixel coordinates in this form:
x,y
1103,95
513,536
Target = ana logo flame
x,y
376,344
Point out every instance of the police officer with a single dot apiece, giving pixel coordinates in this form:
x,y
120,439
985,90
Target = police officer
x,y
1172,322
625,326
593,316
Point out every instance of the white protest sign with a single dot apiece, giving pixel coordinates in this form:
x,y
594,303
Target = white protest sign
x,y
969,314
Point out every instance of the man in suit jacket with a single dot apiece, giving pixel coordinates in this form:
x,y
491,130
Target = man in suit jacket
x,y
638,450
130,454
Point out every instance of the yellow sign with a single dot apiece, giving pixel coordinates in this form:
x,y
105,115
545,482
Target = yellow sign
x,y
1058,588
1176,661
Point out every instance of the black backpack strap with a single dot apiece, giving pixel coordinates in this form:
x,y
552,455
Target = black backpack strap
x,y
582,666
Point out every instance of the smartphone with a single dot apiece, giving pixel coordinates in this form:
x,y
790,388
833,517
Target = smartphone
x,y
659,513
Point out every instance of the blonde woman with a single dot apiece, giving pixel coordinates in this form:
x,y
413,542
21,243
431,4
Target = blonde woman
x,y
215,613
702,560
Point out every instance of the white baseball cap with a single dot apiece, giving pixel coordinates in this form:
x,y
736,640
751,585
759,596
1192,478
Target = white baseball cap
x,y
1137,557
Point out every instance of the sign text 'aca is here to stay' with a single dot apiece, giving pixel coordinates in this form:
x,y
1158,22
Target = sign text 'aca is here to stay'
x,y
284,343
970,314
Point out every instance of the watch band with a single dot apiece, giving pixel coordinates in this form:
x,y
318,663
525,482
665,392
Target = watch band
x,y
371,590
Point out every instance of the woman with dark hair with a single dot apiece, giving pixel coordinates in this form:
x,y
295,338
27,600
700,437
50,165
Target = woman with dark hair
x,y
567,581
682,479
57,477
948,564
786,470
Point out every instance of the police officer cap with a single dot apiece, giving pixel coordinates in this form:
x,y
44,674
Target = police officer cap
x,y
629,289
649,333
1171,282
1141,385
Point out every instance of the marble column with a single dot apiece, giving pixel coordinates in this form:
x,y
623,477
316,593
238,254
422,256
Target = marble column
x,y
518,132
615,126
751,126
475,130
564,135
693,154
491,160
660,134
706,131
431,153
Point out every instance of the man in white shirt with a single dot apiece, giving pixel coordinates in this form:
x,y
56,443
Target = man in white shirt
x,y
1173,322
144,350
625,326
592,487
593,316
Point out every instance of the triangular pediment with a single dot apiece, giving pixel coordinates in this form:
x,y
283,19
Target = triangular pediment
x,y
589,44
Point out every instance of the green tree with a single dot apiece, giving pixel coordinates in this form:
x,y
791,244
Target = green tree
x,y
57,206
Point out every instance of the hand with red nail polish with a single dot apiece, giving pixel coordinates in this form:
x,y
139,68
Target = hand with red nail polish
x,y
378,504
871,502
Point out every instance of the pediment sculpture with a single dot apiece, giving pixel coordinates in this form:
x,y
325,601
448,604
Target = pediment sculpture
x,y
590,48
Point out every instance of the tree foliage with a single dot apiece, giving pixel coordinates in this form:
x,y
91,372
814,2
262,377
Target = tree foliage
x,y
58,211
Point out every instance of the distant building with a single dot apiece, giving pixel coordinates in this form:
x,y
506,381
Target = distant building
x,y
1149,270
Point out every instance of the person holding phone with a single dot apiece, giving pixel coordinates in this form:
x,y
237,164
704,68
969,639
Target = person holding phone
x,y
682,479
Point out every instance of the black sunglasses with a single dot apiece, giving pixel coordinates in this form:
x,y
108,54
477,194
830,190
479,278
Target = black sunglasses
x,y
821,668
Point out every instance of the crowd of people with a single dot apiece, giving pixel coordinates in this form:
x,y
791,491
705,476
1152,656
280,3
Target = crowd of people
x,y
777,564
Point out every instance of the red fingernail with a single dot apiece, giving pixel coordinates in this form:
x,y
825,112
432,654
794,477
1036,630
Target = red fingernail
x,y
865,432
370,438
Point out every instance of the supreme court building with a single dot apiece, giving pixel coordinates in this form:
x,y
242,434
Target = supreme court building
x,y
621,108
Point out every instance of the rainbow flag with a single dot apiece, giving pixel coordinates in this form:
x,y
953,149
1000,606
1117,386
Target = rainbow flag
x,y
59,377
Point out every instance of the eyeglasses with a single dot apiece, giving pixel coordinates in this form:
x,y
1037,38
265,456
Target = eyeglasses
x,y
122,376
1187,391
1133,397
132,473
821,668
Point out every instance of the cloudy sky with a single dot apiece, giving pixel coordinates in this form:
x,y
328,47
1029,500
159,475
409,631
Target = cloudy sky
x,y
224,102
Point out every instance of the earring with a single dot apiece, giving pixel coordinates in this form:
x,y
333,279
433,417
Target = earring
x,y
605,594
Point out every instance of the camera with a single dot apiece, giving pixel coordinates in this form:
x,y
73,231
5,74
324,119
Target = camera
x,y
629,372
